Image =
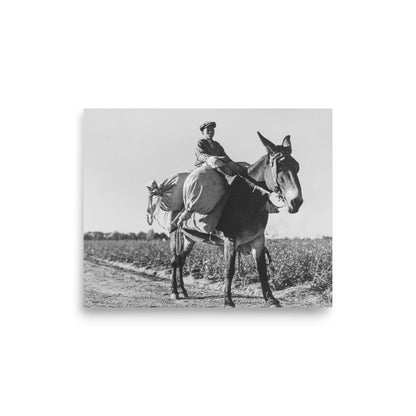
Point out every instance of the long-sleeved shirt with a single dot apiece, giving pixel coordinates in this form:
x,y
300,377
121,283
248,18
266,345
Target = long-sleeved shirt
x,y
206,148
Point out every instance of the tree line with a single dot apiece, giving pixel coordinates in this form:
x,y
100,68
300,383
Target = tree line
x,y
149,236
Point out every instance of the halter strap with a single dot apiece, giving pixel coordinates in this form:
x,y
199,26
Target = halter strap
x,y
276,158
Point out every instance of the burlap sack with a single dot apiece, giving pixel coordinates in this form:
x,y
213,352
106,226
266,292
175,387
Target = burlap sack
x,y
161,216
206,223
203,189
171,192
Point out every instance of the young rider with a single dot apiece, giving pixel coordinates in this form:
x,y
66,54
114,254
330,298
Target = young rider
x,y
208,150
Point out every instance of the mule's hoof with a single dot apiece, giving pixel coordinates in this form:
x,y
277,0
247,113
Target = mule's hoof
x,y
185,294
229,304
274,304
174,296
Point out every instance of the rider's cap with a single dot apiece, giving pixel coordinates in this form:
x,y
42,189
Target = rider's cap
x,y
207,124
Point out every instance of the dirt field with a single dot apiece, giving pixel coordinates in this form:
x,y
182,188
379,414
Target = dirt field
x,y
123,285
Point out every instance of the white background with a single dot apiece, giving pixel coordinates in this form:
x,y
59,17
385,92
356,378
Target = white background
x,y
356,57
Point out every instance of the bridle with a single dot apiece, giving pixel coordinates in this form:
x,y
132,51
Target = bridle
x,y
275,159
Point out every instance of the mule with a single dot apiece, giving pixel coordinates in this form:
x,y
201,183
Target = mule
x,y
244,218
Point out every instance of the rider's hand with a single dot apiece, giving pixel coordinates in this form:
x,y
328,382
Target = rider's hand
x,y
215,162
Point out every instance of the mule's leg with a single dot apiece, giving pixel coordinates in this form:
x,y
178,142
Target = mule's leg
x,y
174,264
181,285
258,250
229,258
174,286
188,246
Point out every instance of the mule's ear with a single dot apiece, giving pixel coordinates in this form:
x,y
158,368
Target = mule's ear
x,y
271,148
287,146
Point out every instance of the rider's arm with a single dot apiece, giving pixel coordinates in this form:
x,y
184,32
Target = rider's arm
x,y
212,156
201,153
224,155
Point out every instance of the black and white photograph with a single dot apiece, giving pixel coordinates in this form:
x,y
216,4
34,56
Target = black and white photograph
x,y
207,208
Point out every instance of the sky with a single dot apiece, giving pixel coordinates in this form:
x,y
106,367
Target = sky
x,y
124,149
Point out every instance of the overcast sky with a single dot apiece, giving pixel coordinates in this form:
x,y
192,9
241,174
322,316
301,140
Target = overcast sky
x,y
124,149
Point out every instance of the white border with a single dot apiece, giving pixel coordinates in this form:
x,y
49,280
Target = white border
x,y
357,358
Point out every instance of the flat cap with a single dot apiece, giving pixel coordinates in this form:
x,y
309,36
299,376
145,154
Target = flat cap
x,y
207,124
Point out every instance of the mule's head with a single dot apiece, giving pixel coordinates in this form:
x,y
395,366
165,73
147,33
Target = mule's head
x,y
281,173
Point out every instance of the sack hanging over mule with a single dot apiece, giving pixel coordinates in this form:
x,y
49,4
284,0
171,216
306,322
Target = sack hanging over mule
x,y
165,200
203,189
170,192
206,223
163,218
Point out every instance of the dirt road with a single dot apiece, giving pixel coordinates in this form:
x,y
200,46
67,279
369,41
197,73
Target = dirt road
x,y
122,285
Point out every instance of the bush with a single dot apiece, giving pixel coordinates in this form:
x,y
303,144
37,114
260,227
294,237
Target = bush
x,y
293,261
